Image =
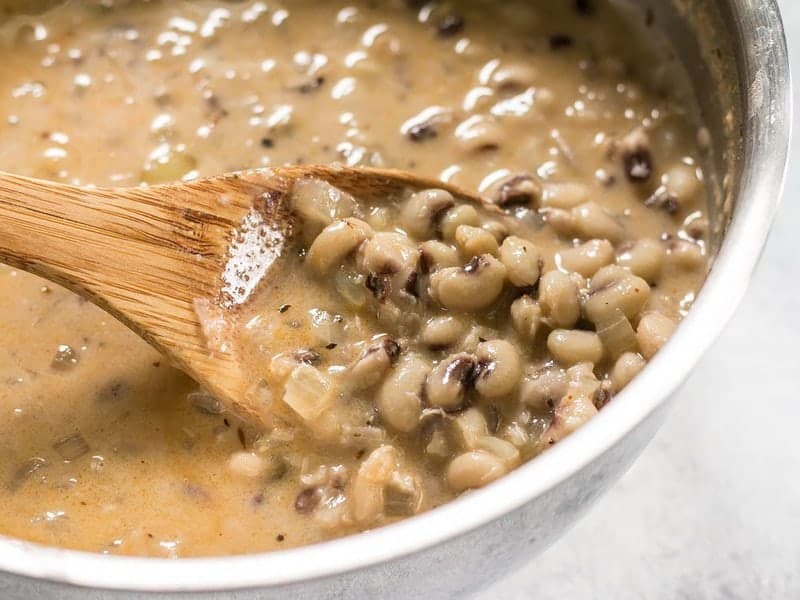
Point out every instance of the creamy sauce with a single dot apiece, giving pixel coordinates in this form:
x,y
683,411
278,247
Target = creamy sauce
x,y
103,446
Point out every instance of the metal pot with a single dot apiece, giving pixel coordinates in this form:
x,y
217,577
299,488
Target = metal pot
x,y
736,60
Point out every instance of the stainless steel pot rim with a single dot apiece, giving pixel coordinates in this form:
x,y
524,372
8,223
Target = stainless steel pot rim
x,y
767,130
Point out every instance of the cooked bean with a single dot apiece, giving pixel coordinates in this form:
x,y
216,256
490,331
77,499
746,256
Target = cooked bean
x,y
636,156
474,241
438,255
686,255
561,221
525,317
559,298
522,261
653,331
644,258
520,189
565,195
572,346
505,451
336,241
376,360
587,258
625,369
614,288
514,77
388,252
592,221
470,426
478,133
399,399
474,469
442,332
500,368
576,406
470,288
463,214
447,384
497,229
682,183
422,210
543,388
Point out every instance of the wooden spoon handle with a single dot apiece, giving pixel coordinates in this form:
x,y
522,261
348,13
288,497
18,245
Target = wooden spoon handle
x,y
103,245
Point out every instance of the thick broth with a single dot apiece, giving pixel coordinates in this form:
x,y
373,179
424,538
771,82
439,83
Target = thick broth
x,y
105,447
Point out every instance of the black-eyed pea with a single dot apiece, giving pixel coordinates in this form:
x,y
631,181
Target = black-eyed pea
x,y
526,315
573,346
559,299
686,255
504,450
644,258
474,241
422,210
614,288
497,229
562,221
521,259
380,218
592,221
471,288
499,369
474,469
478,133
653,331
513,77
543,388
442,332
682,183
565,195
588,258
470,427
399,399
463,214
625,369
335,242
438,255
519,189
448,383
387,252
477,334
576,407
370,368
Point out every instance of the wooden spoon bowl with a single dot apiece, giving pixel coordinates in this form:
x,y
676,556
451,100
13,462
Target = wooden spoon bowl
x,y
148,255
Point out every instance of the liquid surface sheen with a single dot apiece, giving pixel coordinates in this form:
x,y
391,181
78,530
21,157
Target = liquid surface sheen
x,y
386,364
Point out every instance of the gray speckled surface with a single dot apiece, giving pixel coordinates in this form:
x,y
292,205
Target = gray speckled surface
x,y
712,508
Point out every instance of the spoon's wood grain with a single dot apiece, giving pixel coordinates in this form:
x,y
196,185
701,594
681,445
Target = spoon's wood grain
x,y
147,254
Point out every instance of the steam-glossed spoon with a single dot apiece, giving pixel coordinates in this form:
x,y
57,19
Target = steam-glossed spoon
x,y
148,255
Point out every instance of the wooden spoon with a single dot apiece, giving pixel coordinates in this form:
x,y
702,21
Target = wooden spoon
x,y
147,255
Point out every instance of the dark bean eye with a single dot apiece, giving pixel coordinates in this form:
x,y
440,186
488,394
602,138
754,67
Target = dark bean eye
x,y
450,25
638,164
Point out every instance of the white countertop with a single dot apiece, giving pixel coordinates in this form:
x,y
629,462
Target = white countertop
x,y
712,508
